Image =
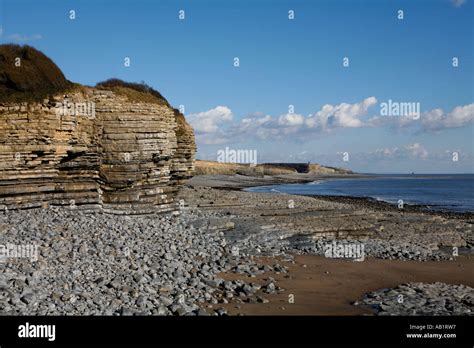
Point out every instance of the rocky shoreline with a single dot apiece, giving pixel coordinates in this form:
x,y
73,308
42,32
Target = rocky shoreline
x,y
101,264
422,299
377,205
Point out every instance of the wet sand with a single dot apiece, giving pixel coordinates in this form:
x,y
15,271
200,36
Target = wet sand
x,y
323,286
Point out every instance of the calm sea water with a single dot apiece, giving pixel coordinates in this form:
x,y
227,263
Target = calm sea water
x,y
439,192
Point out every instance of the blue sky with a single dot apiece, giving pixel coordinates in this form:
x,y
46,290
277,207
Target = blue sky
x,y
283,62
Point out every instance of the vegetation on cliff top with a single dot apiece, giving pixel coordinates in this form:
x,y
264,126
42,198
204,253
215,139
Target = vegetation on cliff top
x,y
137,92
27,75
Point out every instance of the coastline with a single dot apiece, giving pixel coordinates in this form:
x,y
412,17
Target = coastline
x,y
348,219
242,183
386,206
364,205
229,251
239,182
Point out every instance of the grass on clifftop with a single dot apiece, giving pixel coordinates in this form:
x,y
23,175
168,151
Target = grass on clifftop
x,y
27,75
135,92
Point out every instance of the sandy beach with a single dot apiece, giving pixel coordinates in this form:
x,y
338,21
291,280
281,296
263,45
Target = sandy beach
x,y
317,285
322,286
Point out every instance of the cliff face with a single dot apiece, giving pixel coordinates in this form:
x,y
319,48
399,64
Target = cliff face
x,y
311,168
317,168
183,166
94,149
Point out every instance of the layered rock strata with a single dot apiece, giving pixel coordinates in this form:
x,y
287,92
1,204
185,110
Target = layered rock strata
x,y
94,149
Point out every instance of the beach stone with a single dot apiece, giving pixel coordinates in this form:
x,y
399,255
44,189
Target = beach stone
x,y
421,299
126,311
28,298
221,312
270,288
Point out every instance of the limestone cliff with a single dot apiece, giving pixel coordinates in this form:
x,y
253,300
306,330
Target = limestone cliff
x,y
118,147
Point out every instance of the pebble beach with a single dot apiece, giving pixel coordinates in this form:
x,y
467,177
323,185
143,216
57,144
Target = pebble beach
x,y
227,251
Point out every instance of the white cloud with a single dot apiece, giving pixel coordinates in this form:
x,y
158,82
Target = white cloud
x,y
458,3
460,116
255,125
416,151
291,120
210,120
217,125
410,151
253,121
343,115
340,116
429,121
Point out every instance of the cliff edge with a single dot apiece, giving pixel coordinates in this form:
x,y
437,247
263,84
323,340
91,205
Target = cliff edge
x,y
117,147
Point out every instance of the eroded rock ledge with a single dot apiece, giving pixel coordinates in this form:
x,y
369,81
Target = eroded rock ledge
x,y
114,149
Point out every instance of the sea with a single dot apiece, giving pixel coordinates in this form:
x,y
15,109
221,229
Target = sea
x,y
441,192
